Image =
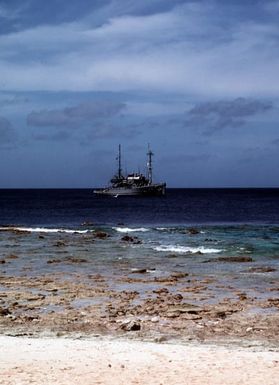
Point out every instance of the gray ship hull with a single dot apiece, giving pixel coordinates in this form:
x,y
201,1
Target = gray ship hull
x,y
151,190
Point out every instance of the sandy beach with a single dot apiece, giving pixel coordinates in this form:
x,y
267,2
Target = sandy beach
x,y
105,361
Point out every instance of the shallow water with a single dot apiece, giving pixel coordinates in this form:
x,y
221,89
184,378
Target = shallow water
x,y
54,232
159,251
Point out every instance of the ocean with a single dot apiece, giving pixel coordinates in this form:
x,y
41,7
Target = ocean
x,y
68,207
231,235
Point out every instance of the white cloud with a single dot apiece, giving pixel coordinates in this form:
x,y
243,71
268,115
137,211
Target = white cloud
x,y
185,50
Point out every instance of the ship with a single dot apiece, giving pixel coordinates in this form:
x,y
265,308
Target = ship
x,y
134,184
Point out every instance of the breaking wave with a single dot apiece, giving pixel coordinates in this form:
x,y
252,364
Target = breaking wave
x,y
130,230
43,230
185,249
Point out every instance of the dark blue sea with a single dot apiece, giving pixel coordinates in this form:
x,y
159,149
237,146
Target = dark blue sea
x,y
67,207
193,230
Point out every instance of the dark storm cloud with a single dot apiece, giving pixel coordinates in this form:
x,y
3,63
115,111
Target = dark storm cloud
x,y
72,116
16,15
215,116
7,134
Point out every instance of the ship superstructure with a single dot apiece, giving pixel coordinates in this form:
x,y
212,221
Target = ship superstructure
x,y
134,183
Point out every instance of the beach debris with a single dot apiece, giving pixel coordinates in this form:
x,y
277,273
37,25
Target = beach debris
x,y
138,271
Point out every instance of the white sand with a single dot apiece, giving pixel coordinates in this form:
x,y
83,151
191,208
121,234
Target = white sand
x,y
101,361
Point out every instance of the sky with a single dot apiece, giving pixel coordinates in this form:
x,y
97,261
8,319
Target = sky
x,y
197,80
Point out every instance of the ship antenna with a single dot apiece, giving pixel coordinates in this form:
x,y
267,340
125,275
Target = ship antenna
x,y
119,162
149,164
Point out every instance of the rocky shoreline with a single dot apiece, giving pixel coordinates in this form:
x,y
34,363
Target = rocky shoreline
x,y
55,304
61,293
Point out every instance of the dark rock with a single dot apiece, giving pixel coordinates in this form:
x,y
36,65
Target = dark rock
x,y
54,261
264,269
4,312
163,290
230,259
235,259
134,240
76,260
178,274
193,231
221,314
60,244
2,261
131,326
242,296
178,297
101,235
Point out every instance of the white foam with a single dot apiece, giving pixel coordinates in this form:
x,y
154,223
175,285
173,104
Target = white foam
x,y
43,230
130,230
162,228
185,249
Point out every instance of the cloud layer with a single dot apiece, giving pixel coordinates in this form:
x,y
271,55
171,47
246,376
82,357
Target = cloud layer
x,y
197,79
76,115
214,116
180,47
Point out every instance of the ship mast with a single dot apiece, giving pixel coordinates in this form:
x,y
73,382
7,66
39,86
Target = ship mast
x,y
149,164
119,162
